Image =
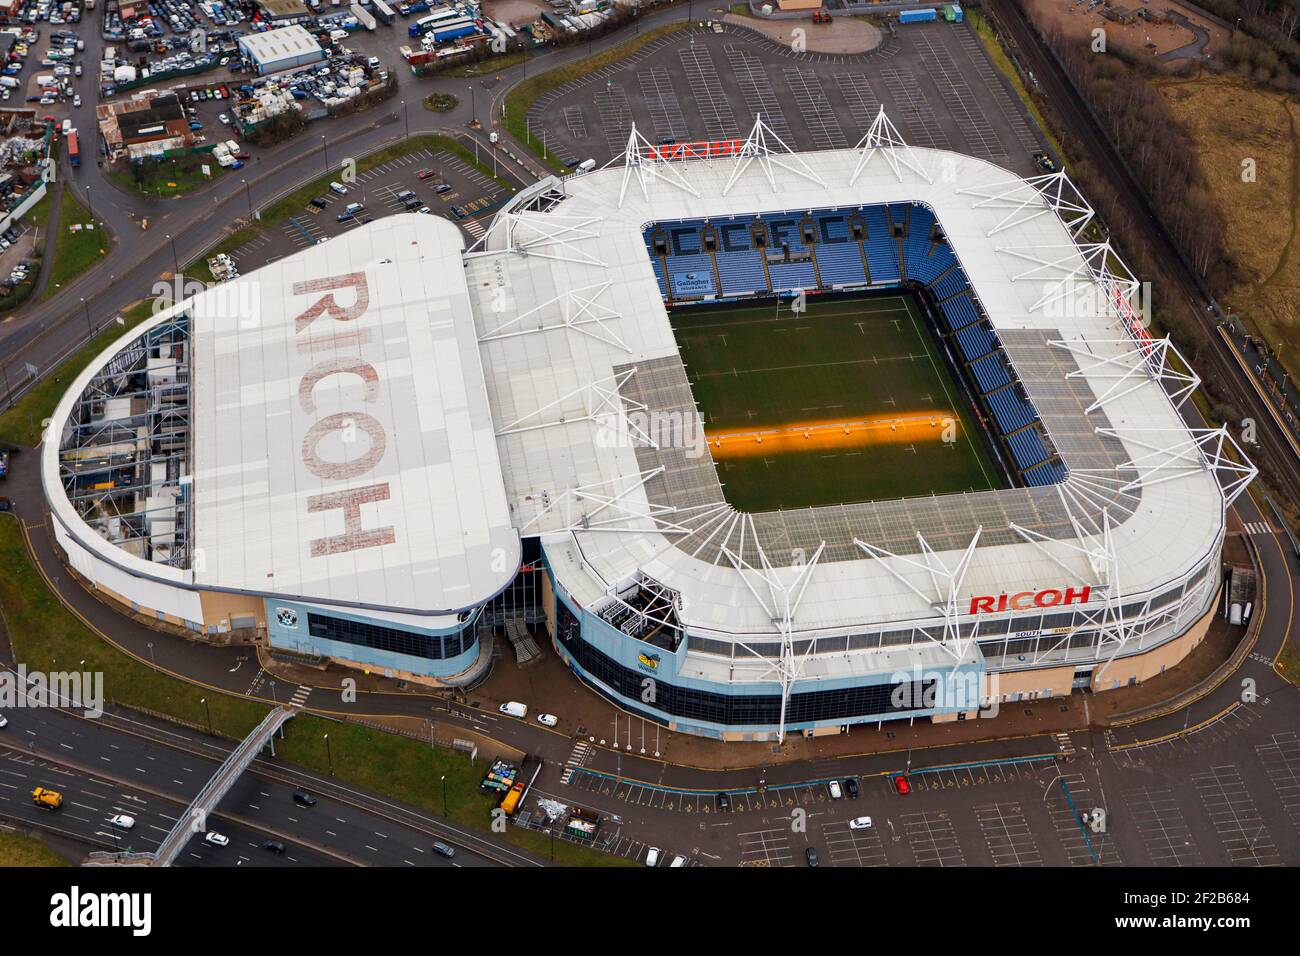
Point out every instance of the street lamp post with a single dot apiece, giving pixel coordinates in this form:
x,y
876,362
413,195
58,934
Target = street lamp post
x,y
176,262
444,795
406,116
324,143
208,711
248,194
85,308
329,754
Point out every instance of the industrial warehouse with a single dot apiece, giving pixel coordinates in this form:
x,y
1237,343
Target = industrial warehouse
x,y
382,449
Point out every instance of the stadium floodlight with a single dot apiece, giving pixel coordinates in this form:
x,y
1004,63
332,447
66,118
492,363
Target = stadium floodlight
x,y
647,162
771,151
1026,199
1136,365
883,138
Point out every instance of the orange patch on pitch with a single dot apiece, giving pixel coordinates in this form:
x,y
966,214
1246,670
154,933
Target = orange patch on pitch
x,y
824,435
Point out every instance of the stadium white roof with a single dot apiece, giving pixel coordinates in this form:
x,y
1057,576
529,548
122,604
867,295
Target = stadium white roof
x,y
343,447
583,314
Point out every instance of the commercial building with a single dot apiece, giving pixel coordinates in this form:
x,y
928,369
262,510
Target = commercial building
x,y
281,49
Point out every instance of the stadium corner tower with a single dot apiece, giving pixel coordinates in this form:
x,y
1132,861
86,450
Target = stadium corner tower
x,y
385,449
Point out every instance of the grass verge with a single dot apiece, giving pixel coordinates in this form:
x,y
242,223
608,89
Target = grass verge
x,y
170,177
521,98
18,850
1008,69
286,206
1288,663
75,251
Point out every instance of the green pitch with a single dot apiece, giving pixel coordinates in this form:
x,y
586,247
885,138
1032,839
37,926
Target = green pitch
x,y
842,360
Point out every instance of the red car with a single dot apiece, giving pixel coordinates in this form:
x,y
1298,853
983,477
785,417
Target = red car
x,y
902,786
426,174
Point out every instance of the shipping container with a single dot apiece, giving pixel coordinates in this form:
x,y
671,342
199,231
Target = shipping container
x,y
926,15
383,12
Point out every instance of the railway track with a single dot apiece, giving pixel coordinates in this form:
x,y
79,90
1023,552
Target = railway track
x,y
1273,454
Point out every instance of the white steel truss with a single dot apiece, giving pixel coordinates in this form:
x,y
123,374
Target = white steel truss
x,y
1140,362
884,139
1026,199
946,583
778,592
613,506
1073,272
647,162
576,310
544,235
599,402
771,152
1192,451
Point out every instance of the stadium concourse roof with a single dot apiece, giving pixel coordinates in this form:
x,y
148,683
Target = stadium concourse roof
x,y
573,328
342,444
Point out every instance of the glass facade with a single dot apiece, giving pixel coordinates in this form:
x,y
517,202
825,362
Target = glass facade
x,y
434,647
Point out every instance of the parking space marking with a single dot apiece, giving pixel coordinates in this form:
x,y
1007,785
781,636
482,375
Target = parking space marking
x,y
960,99
1162,827
991,82
814,108
932,839
615,117
711,102
1069,796
1007,833
765,848
1235,817
575,122
756,86
662,104
913,110
863,103
1281,759
847,847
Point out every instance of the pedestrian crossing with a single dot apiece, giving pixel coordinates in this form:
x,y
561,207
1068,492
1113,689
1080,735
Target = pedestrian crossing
x,y
299,698
578,757
1065,744
1258,527
474,228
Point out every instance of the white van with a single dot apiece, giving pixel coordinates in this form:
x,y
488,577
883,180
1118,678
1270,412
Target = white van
x,y
338,189
67,127
586,166
8,81
512,708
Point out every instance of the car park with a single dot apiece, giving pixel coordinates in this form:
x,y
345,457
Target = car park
x,y
860,823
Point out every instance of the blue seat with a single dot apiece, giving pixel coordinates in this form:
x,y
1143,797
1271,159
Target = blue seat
x,y
691,275
990,373
951,284
1048,473
1010,411
685,240
792,275
959,313
741,273
840,263
1027,448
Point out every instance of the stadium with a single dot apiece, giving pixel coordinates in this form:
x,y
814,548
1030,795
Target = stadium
x,y
766,442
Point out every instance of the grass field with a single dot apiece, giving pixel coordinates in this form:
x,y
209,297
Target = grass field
x,y
842,403
19,850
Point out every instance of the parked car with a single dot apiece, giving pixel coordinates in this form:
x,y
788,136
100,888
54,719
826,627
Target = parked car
x,y
441,188
810,855
426,174
652,856
835,790
3,721
724,801
902,786
851,786
547,720
860,823
678,860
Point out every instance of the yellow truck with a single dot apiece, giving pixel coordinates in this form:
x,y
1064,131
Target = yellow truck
x,y
48,799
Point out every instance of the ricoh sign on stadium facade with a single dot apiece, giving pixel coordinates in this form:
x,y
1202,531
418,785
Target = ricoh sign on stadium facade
x,y
477,388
